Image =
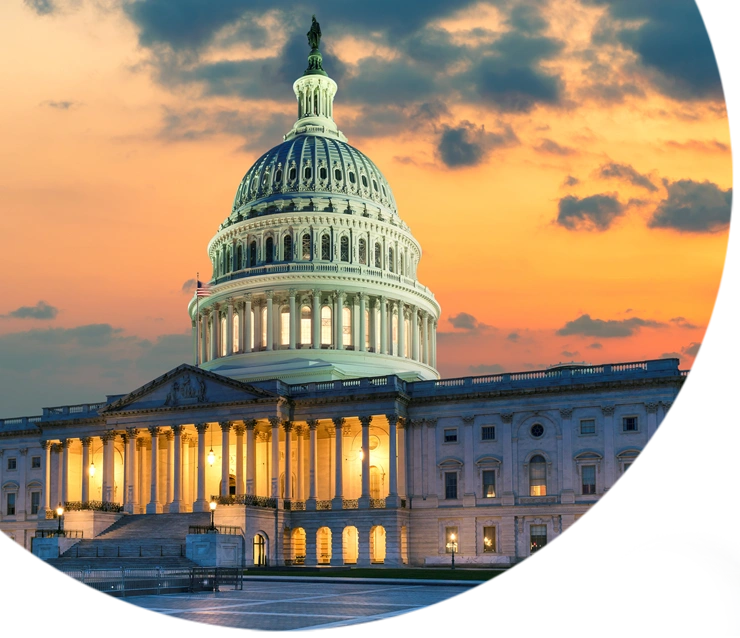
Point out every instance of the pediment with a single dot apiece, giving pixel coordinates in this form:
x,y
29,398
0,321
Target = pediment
x,y
187,386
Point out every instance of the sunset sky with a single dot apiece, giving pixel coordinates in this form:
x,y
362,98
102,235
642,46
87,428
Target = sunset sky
x,y
565,165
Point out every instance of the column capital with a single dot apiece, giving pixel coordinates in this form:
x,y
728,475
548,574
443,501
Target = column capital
x,y
401,423
250,424
667,405
124,437
140,444
383,299
361,296
248,297
299,430
269,294
338,421
608,410
312,424
239,428
177,429
374,303
507,417
201,428
169,435
109,435
132,432
230,301
274,421
365,421
292,292
45,444
316,292
566,413
24,450
225,425
651,407
287,425
155,431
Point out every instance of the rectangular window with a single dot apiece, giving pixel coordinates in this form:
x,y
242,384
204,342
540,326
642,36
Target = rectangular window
x,y
35,502
35,462
488,433
450,435
588,426
629,424
451,539
489,483
588,479
10,504
489,539
537,537
451,485
12,463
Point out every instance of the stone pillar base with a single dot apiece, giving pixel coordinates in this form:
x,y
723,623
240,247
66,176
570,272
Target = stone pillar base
x,y
201,506
154,508
176,507
311,505
392,501
363,502
337,504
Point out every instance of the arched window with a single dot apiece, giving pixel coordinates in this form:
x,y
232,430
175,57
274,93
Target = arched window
x,y
338,174
235,333
292,174
390,259
375,185
228,260
352,178
323,174
326,326
306,246
362,251
307,172
378,256
537,476
239,257
269,250
344,249
278,176
383,189
346,327
325,248
401,270
263,325
288,248
284,327
253,254
364,181
222,338
306,325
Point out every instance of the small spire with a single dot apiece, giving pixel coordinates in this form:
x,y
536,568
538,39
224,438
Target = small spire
x,y
314,58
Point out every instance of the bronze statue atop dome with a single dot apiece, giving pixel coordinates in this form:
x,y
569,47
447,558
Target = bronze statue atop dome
x,y
314,34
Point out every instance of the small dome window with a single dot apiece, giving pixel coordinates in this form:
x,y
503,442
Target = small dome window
x,y
265,177
364,181
382,188
537,431
337,175
352,178
292,173
307,172
344,249
375,185
279,175
323,173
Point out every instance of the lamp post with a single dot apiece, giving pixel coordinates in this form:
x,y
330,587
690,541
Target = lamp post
x,y
60,513
452,546
212,505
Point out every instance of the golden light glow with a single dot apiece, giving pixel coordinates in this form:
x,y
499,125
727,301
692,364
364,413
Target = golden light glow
x,y
211,457
92,470
212,505
60,510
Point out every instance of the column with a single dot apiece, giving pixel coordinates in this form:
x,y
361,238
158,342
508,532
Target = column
x,y
215,322
177,502
401,458
225,452
401,330
313,424
170,438
65,470
187,492
194,335
230,327
383,325
363,328
433,345
251,455
239,431
108,466
201,505
203,336
47,480
568,494
270,321
288,428
139,488
609,470
338,461
414,333
339,321
246,326
292,315
85,496
131,495
652,418
258,326
364,501
425,337
154,506
469,482
60,467
316,320
126,470
507,497
374,345
299,430
392,500
275,458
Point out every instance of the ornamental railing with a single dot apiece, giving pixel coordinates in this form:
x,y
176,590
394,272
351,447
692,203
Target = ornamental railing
x,y
95,506
323,505
65,533
294,506
377,503
246,499
350,504
217,529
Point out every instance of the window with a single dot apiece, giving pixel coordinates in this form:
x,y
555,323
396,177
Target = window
x,y
537,537
35,502
35,462
235,333
537,476
588,479
307,172
450,435
346,327
489,539
364,181
375,185
489,484
588,426
537,430
451,485
253,254
269,250
10,504
488,433
378,257
306,246
451,539
263,322
292,173
344,249
306,325
352,178
285,327
363,252
337,174
323,172
629,424
390,259
239,257
279,175
12,463
326,326
325,248
287,248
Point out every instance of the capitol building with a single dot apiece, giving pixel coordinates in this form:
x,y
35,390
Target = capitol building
x,y
312,413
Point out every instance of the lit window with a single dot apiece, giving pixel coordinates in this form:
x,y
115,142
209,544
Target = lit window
x,y
35,502
12,463
588,479
10,504
326,326
263,318
306,325
306,246
489,539
537,476
489,484
346,327
450,485
588,426
235,334
629,424
450,435
251,335
285,327
488,433
223,336
537,537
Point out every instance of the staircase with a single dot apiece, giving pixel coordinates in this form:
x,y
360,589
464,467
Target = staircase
x,y
135,540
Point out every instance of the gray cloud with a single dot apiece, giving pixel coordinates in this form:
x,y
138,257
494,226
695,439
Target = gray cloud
x,y
188,288
568,353
41,310
493,368
41,7
469,145
62,105
625,172
553,148
699,146
467,322
514,337
681,322
693,207
587,327
595,346
596,212
571,181
692,349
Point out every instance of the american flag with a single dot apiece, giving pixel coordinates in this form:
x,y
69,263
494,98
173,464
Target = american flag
x,y
202,289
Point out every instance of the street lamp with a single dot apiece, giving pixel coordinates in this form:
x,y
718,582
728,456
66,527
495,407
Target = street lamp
x,y
60,512
212,505
452,546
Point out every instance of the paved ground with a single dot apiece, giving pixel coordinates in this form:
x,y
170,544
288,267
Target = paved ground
x,y
286,605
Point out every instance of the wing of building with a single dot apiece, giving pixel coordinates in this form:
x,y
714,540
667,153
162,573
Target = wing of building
x,y
313,413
